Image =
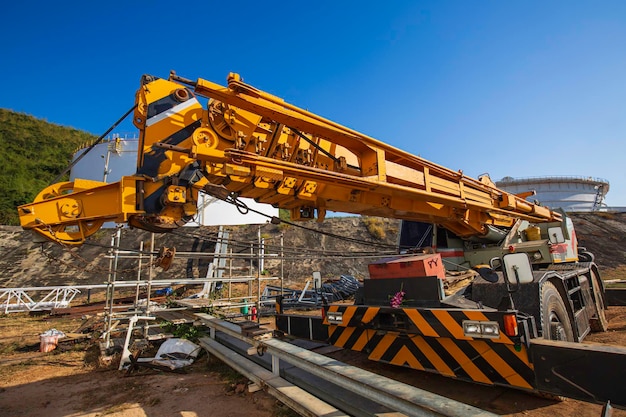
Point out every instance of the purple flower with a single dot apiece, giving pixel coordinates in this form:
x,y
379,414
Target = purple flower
x,y
398,299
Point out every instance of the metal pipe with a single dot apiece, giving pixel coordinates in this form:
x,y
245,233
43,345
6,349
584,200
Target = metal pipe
x,y
138,273
257,304
393,394
282,262
115,242
297,399
150,272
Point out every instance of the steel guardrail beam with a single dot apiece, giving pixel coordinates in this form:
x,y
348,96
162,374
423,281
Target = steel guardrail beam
x,y
395,395
293,396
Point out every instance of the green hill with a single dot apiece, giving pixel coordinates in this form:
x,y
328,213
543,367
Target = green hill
x,y
34,152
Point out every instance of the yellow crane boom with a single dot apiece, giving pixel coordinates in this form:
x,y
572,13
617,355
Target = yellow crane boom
x,y
253,144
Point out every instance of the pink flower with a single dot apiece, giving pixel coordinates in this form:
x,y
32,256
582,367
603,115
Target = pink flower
x,y
398,299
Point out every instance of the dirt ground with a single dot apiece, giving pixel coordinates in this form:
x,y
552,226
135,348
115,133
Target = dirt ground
x,y
71,381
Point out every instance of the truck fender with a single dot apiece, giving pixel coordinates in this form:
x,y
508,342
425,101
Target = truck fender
x,y
598,322
557,317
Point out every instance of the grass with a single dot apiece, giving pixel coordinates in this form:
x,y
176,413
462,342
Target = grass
x,y
375,227
34,153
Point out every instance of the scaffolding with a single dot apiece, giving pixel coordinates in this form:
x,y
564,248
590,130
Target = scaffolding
x,y
217,293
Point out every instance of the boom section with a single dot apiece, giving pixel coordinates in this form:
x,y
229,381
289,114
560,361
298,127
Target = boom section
x,y
248,143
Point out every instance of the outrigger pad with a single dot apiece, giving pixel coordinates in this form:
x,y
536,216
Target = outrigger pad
x,y
583,371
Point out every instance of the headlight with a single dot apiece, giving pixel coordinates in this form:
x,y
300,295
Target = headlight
x,y
481,329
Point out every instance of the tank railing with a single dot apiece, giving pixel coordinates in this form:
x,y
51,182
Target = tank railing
x,y
552,177
108,139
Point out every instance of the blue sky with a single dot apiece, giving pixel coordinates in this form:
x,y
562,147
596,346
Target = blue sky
x,y
526,88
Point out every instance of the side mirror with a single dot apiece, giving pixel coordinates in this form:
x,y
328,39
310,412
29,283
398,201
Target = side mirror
x,y
556,235
516,268
487,274
317,279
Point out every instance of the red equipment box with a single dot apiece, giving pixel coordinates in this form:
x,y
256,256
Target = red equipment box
x,y
425,265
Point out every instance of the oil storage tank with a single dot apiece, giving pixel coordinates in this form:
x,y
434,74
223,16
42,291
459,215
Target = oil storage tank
x,y
571,193
116,157
108,161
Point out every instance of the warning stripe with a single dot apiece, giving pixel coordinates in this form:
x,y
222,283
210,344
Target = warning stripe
x,y
475,360
347,316
451,325
464,361
370,314
440,345
421,323
481,362
363,340
432,356
522,354
331,332
438,327
345,335
333,308
429,322
503,368
382,346
333,328
437,358
404,357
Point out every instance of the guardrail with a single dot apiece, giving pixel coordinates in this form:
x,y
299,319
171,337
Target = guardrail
x,y
395,395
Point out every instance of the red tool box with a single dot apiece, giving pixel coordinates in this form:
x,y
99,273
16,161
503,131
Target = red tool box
x,y
423,265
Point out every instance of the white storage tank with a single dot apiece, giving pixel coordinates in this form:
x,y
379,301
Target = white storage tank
x,y
116,157
108,161
571,193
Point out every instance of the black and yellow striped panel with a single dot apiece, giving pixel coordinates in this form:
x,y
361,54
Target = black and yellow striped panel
x,y
433,340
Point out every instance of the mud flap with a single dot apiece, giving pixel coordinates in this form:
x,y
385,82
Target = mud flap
x,y
587,372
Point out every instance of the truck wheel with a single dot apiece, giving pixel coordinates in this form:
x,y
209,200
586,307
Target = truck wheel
x,y
598,323
556,324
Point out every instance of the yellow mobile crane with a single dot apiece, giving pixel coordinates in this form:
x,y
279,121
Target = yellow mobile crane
x,y
248,143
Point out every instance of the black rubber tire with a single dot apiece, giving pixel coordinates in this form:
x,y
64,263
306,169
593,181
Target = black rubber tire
x,y
586,257
555,324
599,322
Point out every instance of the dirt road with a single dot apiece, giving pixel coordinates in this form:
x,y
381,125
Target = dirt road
x,y
71,382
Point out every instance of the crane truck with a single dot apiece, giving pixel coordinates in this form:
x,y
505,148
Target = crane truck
x,y
520,323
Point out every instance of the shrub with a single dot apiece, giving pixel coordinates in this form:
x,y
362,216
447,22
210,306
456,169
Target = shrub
x,y
375,227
